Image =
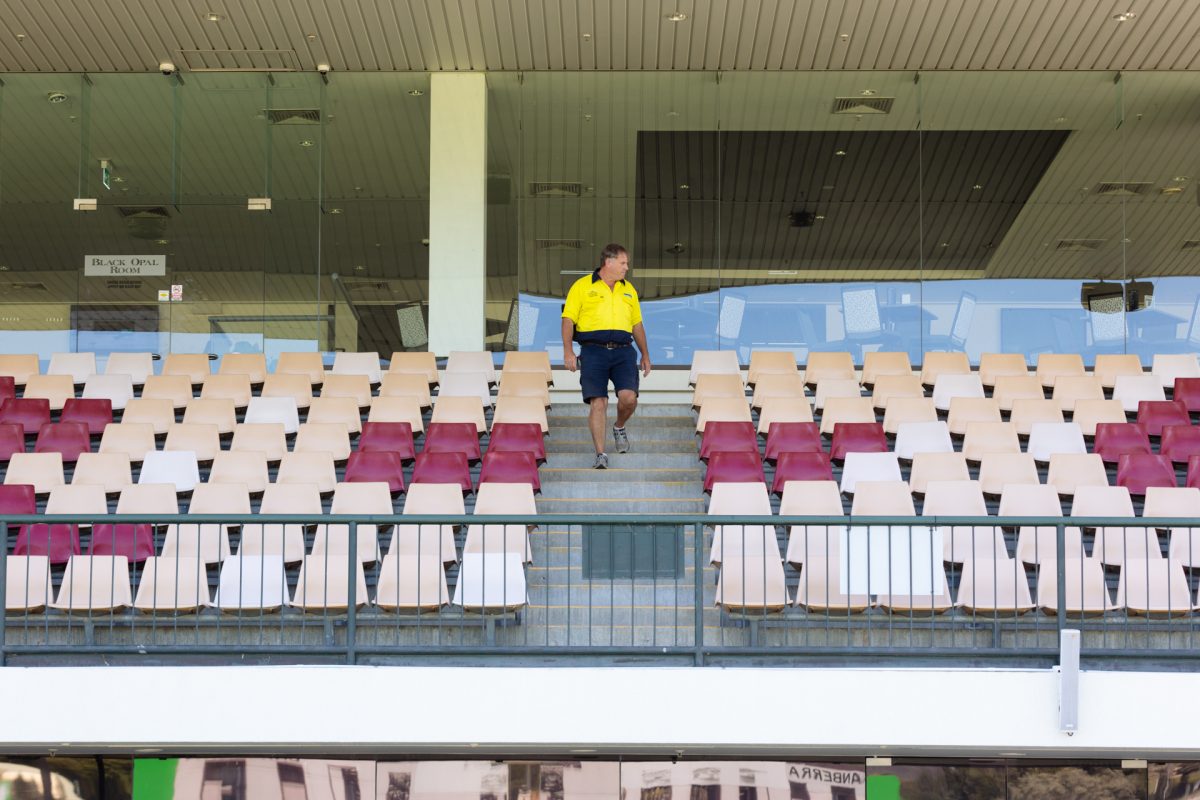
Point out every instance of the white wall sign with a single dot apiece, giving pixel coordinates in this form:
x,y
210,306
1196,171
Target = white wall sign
x,y
114,266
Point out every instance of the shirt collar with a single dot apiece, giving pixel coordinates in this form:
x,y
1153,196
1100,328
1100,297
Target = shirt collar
x,y
596,276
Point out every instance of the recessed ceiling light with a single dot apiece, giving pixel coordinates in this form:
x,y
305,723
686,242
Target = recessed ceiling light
x,y
335,211
676,16
213,16
672,113
56,97
20,37
868,92
840,153
307,142
1181,178
977,186
161,241
1124,16
312,37
819,216
945,244
1060,119
684,186
587,117
118,179
829,187
360,268
416,92
3,268
1171,190
587,37
845,37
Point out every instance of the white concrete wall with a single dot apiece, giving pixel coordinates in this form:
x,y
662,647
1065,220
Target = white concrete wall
x,y
769,712
457,211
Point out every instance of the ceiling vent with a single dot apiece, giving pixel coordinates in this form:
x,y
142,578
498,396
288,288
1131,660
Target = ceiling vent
x,y
863,105
559,244
1078,245
1123,188
25,286
555,189
239,60
367,285
1190,244
145,222
293,116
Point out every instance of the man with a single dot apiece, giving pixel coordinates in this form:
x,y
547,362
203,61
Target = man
x,y
603,315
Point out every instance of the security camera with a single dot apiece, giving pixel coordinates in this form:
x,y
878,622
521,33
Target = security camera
x,y
166,68
323,69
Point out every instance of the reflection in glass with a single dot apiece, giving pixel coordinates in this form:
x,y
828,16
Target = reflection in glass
x,y
1076,783
742,780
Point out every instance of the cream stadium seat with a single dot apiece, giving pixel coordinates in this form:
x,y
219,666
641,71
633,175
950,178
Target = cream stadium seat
x,y
354,387
722,409
315,467
19,367
1069,471
994,586
423,363
812,498
466,384
327,437
781,409
94,585
179,468
1037,544
403,409
265,437
309,365
1168,367
717,362
846,409
830,388
1092,411
361,499
58,389
246,467
282,539
1070,389
833,365
965,410
753,583
110,471
286,386
994,366
357,364
193,366
158,412
819,591
907,409
252,583
1085,591
1109,366
430,498
772,386
528,363
138,366
471,361
880,499
78,366
453,409
936,364
1027,412
412,582
177,389
1051,366
27,584
410,384
252,365
42,471
201,438
208,541
880,363
117,389
1133,389
888,387
1011,388
1114,544
1155,587
771,362
522,384
521,409
989,437
335,410
997,470
133,439
234,387
935,466
712,385
172,584
324,583
217,412
953,386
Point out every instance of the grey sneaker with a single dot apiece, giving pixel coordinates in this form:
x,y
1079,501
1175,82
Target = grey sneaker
x,y
621,438
601,461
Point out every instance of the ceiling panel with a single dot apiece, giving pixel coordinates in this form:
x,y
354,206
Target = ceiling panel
x,y
432,35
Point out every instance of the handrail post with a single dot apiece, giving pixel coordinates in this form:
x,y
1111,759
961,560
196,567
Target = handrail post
x,y
351,593
698,571
1060,565
3,584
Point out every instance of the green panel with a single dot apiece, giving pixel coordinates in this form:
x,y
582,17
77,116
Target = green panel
x,y
632,551
154,778
883,787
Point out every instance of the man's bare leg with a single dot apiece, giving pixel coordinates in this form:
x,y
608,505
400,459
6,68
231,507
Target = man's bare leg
x,y
597,419
626,404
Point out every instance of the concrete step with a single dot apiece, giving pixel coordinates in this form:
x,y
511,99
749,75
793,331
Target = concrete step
x,y
624,475
583,443
618,489
559,424
631,460
644,410
555,505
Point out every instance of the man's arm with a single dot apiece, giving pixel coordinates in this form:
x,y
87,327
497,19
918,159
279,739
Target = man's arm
x,y
568,333
639,336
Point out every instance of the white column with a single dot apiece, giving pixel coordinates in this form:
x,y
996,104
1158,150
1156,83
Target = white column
x,y
457,211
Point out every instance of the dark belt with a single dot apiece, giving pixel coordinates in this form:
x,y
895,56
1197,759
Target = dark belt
x,y
606,345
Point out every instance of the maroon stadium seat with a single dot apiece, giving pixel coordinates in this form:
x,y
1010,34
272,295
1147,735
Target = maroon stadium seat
x,y
58,541
1137,471
134,541
1180,442
394,437
1115,439
518,437
727,467
793,437
93,412
1154,415
1187,390
510,467
68,438
800,467
728,437
376,466
443,468
452,437
17,498
31,414
857,437
8,388
12,440
1193,473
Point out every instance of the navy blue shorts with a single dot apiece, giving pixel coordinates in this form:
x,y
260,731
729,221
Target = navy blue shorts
x,y
598,366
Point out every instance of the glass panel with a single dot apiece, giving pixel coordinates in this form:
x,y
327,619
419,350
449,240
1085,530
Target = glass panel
x,y
624,158
936,782
1023,212
1075,783
820,215
512,325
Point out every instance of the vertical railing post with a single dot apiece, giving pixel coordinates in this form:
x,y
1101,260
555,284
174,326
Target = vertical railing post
x,y
351,594
698,570
1060,565
3,583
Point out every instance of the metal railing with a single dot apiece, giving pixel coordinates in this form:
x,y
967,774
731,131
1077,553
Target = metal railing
x,y
673,588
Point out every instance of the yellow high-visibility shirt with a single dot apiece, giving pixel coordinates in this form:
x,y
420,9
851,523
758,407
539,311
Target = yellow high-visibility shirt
x,y
601,314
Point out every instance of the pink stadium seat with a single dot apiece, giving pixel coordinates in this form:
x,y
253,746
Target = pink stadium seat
x,y
443,468
510,467
812,466
1154,415
18,498
728,437
1138,471
392,437
134,541
1115,439
12,440
728,467
31,414
518,437
95,413
58,541
8,388
793,437
1193,473
68,438
453,437
1180,442
376,466
1188,391
857,437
